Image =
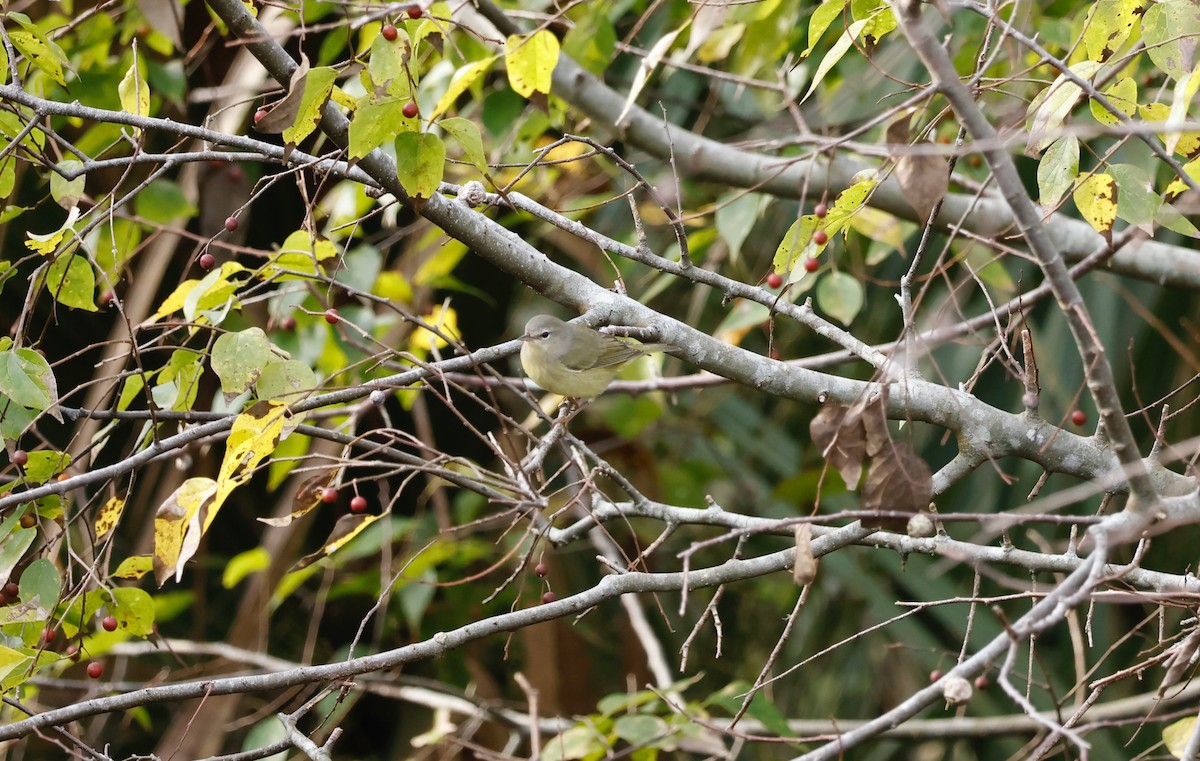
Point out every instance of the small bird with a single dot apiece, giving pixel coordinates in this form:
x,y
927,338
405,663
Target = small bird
x,y
574,360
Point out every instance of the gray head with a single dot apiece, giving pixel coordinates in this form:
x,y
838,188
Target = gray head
x,y
543,327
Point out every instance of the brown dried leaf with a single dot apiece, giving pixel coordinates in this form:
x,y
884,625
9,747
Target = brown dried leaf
x,y
284,113
874,421
839,432
898,480
346,528
307,497
804,566
924,178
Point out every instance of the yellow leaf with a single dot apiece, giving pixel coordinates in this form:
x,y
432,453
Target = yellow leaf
x,y
299,255
47,243
200,294
445,319
176,526
393,286
134,92
1096,198
346,528
253,438
1175,736
460,82
109,515
134,567
531,61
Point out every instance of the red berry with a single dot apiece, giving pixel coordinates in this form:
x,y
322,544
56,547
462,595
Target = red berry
x,y
109,623
415,11
774,280
12,590
409,110
3,599
48,634
107,298
820,237
935,675
289,323
981,682
821,210
811,264
329,495
548,597
358,504
207,261
73,652
389,33
1078,417
231,224
332,317
20,458
95,669
259,114
540,570
28,520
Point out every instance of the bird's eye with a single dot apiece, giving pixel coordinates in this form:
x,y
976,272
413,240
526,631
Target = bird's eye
x,y
545,334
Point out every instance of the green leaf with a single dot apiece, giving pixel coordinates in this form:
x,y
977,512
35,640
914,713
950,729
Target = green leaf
x,y
387,71
134,610
26,378
162,202
41,583
12,124
243,564
840,296
736,216
592,40
639,729
577,742
11,660
1137,203
1056,171
318,86
67,192
796,241
45,464
13,548
467,134
420,162
835,54
286,381
1051,107
37,48
847,204
134,91
238,358
377,122
820,20
1169,30
530,62
72,282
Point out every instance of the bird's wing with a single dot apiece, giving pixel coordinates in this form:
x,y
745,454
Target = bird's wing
x,y
616,352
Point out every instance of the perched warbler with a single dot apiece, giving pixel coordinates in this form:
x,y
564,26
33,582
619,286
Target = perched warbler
x,y
574,360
